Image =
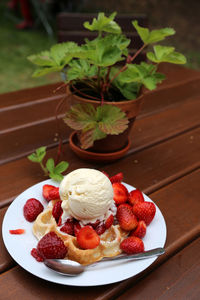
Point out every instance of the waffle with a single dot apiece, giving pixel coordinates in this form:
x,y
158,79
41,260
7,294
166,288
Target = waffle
x,y
109,241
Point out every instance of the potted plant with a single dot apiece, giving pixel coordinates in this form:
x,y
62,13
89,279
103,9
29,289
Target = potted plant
x,y
104,85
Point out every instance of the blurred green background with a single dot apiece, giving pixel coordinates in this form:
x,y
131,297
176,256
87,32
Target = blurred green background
x,y
16,45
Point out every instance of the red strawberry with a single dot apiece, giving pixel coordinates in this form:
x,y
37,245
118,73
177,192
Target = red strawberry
x,y
77,227
87,238
109,221
17,231
36,255
100,229
135,196
144,211
132,245
57,210
127,205
140,231
120,193
50,192
51,246
126,218
117,178
68,227
32,209
95,224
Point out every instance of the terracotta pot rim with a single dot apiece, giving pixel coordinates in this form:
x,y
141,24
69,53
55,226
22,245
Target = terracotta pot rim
x,y
123,102
109,156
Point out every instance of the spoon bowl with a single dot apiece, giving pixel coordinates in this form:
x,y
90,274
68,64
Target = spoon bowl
x,y
72,268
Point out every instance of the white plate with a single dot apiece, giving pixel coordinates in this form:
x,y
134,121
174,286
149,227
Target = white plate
x,y
20,246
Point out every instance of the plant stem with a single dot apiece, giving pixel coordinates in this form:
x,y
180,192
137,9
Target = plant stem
x,y
44,169
125,66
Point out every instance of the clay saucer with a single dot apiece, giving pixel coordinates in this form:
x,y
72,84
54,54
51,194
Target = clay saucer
x,y
95,156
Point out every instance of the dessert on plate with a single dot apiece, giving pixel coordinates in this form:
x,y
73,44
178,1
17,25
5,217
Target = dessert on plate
x,y
88,217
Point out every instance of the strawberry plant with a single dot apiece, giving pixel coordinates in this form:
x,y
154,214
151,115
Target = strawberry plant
x,y
92,70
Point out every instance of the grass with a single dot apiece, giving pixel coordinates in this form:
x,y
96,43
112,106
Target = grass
x,y
16,45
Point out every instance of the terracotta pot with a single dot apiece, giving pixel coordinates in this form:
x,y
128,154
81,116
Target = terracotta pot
x,y
112,142
95,156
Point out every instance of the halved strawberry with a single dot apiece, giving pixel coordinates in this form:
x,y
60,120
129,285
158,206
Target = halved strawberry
x,y
117,178
109,221
50,192
132,245
140,231
135,196
95,224
68,227
57,210
127,220
120,193
87,238
77,227
144,211
127,205
100,229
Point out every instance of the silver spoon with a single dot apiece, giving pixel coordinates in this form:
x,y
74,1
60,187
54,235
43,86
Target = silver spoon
x,y
73,268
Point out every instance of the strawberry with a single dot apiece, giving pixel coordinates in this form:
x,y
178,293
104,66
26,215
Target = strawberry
x,y
32,209
95,224
126,218
57,210
127,205
120,193
36,255
77,227
109,221
135,196
144,211
50,192
117,178
140,231
51,246
132,245
87,238
100,229
17,231
68,227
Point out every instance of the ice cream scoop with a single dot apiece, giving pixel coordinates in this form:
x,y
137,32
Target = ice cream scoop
x,y
86,194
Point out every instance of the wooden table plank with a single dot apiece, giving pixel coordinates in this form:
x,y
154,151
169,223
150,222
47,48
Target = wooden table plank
x,y
20,142
148,170
181,216
178,278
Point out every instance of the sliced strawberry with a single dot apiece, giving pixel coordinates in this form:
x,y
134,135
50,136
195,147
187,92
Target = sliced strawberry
x,y
87,238
95,224
120,193
77,227
144,211
109,221
126,218
68,227
51,246
32,209
50,192
35,253
117,178
127,205
57,210
135,196
100,229
17,231
132,245
140,231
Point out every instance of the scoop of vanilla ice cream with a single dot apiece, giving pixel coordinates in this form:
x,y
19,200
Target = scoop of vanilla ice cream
x,y
86,194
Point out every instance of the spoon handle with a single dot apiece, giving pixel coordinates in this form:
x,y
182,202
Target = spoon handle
x,y
142,255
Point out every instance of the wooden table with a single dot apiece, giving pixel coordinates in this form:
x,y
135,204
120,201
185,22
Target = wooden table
x,y
163,162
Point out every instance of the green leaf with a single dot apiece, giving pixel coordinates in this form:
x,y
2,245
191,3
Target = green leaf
x,y
166,54
154,36
33,157
96,123
41,59
80,69
50,165
38,155
144,74
56,177
103,23
61,167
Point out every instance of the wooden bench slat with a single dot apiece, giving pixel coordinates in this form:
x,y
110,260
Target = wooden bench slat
x,y
174,212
